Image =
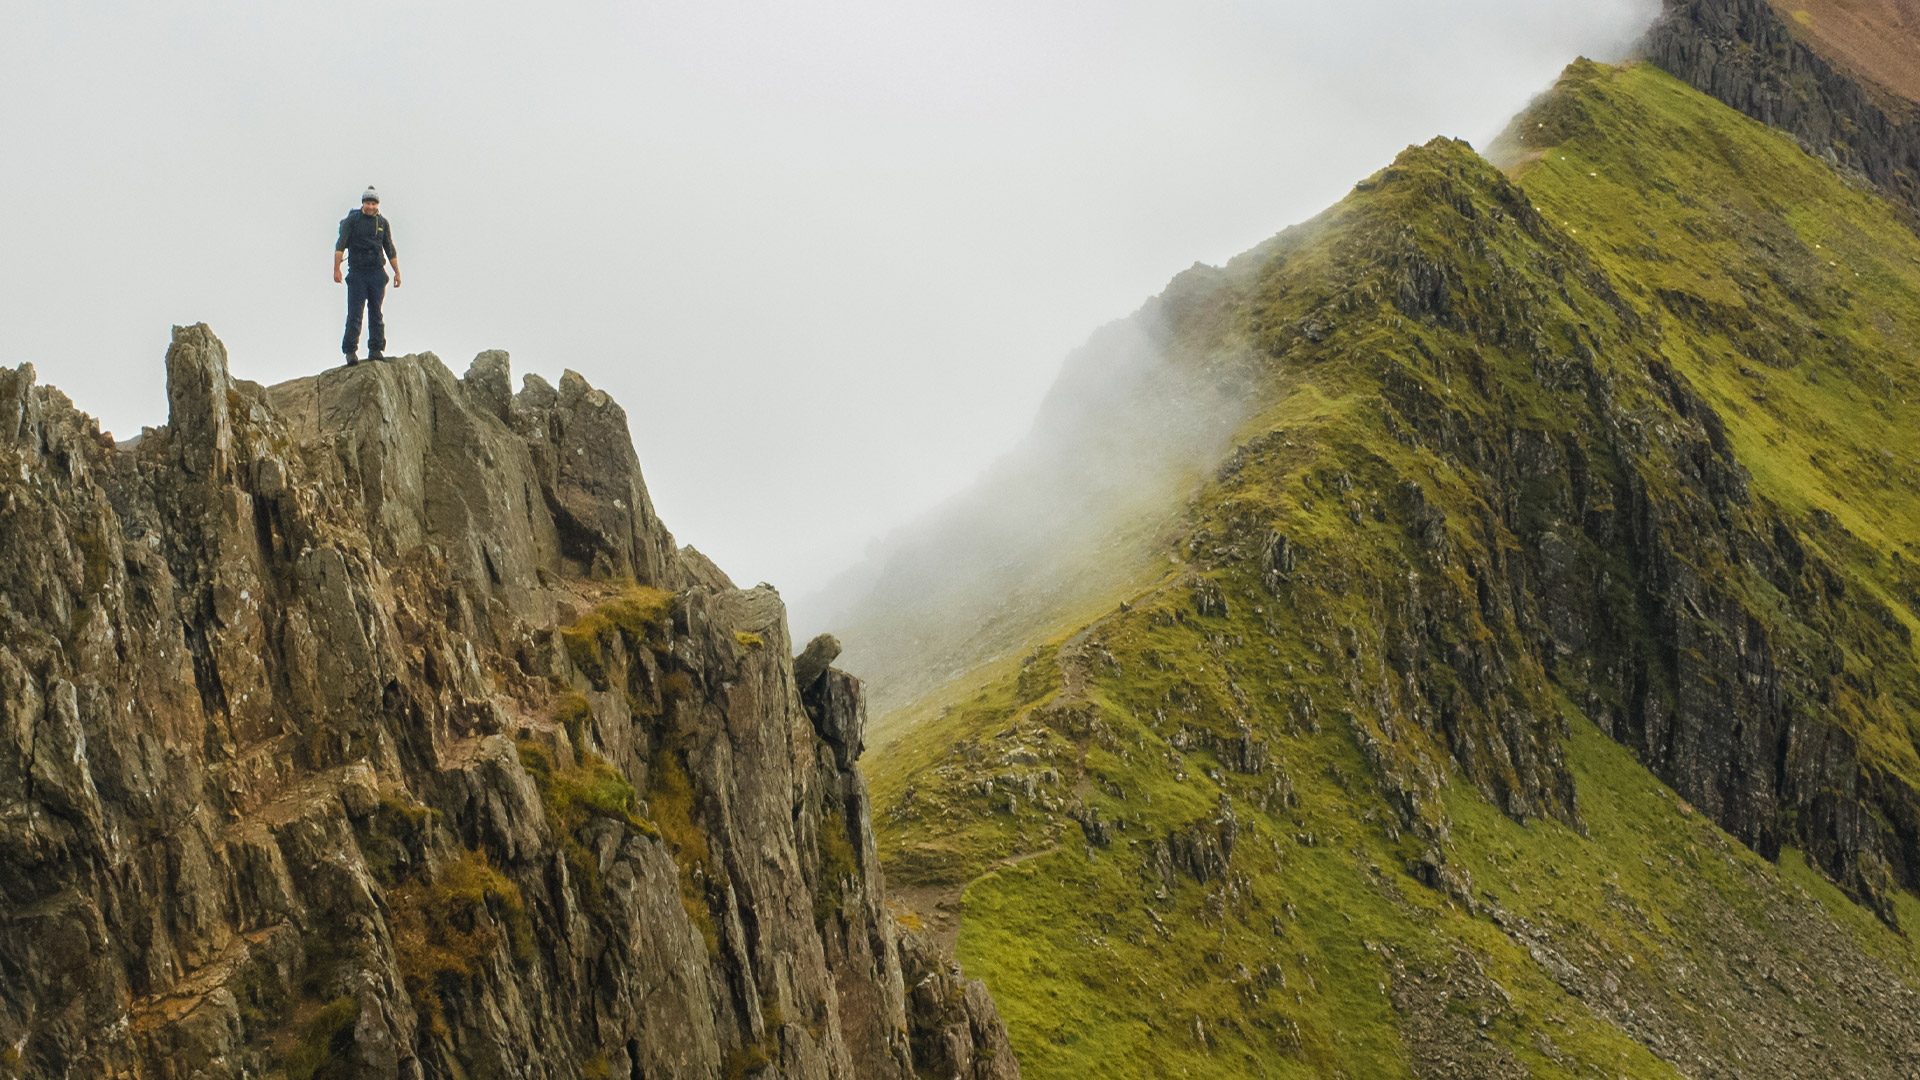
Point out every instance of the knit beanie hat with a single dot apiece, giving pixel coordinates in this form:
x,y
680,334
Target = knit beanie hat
x,y
369,194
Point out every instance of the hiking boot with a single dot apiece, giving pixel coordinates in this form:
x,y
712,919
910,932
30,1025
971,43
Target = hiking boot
x,y
375,354
352,359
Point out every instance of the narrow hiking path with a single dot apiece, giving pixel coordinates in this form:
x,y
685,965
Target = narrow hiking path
x,y
940,908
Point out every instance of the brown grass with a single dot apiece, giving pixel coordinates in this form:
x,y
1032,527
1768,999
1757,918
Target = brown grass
x,y
443,930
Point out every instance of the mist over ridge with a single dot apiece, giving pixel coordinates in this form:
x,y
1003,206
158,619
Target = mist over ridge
x,y
1074,508
840,235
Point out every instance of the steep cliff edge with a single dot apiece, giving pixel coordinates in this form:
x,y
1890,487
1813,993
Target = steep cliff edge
x,y
371,725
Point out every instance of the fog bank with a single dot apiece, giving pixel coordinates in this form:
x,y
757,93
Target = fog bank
x,y
829,256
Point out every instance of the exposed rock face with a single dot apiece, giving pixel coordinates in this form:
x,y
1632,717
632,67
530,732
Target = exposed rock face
x,y
1747,54
813,660
954,1018
1625,579
371,725
1726,702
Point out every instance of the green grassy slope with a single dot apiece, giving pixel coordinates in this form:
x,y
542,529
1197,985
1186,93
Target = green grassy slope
x,y
1790,301
1552,487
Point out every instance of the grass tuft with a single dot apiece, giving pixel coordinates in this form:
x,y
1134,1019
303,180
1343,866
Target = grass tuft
x,y
670,801
635,617
326,1046
445,928
837,865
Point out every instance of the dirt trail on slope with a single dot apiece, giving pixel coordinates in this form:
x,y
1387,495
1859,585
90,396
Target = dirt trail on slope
x,y
939,907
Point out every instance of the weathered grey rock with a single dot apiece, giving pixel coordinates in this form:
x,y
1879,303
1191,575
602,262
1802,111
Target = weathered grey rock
x,y
197,389
839,712
283,706
702,571
1202,850
16,398
956,1029
489,381
600,505
814,660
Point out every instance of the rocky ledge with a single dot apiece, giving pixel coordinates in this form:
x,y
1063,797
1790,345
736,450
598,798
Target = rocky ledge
x,y
371,725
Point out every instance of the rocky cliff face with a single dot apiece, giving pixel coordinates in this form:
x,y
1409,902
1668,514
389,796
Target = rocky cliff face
x,y
1748,54
371,725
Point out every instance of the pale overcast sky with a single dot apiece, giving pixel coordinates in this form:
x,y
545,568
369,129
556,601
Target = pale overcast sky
x,y
828,254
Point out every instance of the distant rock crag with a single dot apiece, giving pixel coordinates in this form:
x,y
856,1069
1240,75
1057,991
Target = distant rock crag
x,y
371,725
1750,55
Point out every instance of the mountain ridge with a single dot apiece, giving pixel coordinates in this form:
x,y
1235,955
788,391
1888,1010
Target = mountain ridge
x,y
1072,509
1524,510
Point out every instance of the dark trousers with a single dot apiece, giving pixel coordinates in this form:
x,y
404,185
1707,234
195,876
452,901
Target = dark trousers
x,y
365,289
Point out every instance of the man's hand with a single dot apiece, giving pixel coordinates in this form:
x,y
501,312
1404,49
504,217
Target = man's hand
x,y
395,263
337,255
337,279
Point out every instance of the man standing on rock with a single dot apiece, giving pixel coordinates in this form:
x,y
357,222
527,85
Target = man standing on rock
x,y
366,239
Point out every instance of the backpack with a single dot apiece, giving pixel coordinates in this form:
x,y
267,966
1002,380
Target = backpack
x,y
379,227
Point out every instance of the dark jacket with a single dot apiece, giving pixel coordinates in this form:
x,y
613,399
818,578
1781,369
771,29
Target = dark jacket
x,y
365,239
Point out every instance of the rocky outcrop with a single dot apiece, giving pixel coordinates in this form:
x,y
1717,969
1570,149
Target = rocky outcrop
x,y
1619,589
953,1017
1747,54
814,659
371,725
1202,851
